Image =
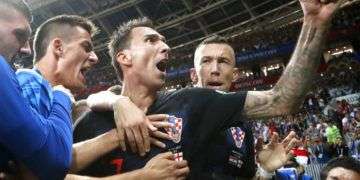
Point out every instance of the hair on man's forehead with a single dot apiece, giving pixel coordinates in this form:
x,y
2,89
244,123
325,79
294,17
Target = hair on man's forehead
x,y
62,26
204,51
146,32
121,38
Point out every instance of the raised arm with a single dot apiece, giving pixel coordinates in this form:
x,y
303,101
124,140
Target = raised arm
x,y
86,152
289,92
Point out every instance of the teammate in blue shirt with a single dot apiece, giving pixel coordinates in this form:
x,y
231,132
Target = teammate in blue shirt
x,y
25,135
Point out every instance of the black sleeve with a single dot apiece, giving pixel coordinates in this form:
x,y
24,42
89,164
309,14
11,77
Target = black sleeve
x,y
222,110
217,111
93,124
228,108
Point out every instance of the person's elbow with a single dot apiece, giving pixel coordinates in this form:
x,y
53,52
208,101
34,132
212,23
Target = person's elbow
x,y
282,104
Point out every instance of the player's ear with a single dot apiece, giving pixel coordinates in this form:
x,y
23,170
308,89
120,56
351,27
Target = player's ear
x,y
236,74
193,76
56,46
123,57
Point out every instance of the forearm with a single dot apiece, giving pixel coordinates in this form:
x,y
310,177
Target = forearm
x,y
88,151
102,101
140,174
290,90
80,108
133,175
53,158
78,177
299,74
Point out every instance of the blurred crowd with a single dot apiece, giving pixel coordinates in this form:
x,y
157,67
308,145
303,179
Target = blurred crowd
x,y
349,18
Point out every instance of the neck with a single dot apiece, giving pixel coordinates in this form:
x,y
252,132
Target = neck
x,y
139,94
47,69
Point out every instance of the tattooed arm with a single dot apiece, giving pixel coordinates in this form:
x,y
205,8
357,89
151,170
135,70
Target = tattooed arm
x,y
289,92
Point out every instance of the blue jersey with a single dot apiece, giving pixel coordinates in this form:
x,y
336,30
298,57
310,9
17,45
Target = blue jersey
x,y
36,90
198,116
42,144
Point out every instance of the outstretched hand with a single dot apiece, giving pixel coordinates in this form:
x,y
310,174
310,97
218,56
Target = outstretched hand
x,y
275,155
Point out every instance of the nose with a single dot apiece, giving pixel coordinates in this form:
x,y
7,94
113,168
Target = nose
x,y
25,49
165,49
214,68
93,58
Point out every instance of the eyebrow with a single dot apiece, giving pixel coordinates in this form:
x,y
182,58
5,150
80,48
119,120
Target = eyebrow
x,y
155,36
334,178
87,43
23,31
204,57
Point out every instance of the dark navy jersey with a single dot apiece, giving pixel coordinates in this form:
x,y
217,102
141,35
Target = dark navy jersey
x,y
199,116
231,154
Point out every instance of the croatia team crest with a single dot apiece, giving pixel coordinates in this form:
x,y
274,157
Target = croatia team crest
x,y
238,136
176,130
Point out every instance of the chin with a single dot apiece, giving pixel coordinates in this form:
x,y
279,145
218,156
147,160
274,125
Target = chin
x,y
158,85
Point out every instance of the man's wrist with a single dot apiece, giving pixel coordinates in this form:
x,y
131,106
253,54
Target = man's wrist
x,y
118,100
316,22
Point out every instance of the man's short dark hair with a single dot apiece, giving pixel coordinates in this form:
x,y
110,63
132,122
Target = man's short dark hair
x,y
343,162
214,39
121,37
19,5
56,26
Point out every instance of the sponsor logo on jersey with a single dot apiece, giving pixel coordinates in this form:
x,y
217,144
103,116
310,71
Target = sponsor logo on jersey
x,y
178,154
176,130
235,159
238,135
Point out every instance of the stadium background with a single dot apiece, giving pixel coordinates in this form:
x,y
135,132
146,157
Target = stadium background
x,y
263,34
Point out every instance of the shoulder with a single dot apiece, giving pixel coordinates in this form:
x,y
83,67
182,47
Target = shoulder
x,y
204,92
28,74
210,92
29,77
